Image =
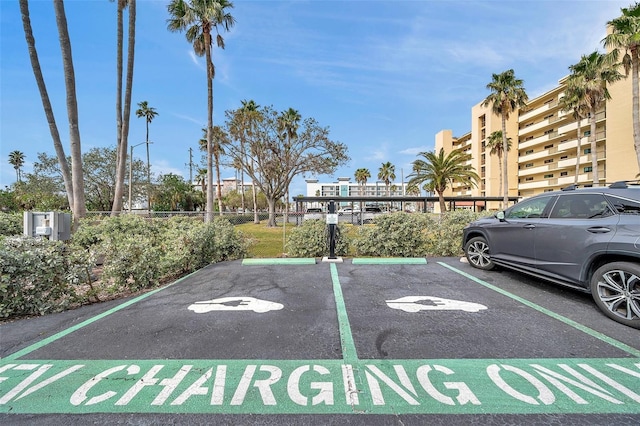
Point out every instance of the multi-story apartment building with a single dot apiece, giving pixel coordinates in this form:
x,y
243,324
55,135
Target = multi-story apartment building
x,y
544,146
345,188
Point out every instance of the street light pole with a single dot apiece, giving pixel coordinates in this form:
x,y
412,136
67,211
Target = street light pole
x,y
131,170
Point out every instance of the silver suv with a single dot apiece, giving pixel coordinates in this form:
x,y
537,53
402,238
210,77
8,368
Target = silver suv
x,y
586,238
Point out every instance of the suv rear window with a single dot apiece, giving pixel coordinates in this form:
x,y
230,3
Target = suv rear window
x,y
624,206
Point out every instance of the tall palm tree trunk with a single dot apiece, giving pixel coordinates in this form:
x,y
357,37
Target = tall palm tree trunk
x,y
219,190
209,209
121,152
46,103
578,150
123,118
594,152
79,206
505,162
126,118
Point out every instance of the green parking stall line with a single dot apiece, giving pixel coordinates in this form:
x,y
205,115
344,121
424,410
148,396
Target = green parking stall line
x,y
389,261
279,261
69,330
613,342
349,353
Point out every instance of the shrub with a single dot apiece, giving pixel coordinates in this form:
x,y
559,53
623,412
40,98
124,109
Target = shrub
x,y
39,276
189,244
311,239
11,224
445,232
397,234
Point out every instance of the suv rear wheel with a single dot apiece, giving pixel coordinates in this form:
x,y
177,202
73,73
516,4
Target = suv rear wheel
x,y
616,290
477,252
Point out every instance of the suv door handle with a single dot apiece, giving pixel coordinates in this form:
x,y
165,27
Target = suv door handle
x,y
599,230
530,226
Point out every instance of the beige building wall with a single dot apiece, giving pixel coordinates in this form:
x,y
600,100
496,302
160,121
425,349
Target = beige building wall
x,y
621,161
545,143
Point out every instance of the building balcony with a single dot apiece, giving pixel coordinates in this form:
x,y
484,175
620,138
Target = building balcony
x,y
538,111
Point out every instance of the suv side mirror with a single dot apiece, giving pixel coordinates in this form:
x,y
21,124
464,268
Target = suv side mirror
x,y
500,216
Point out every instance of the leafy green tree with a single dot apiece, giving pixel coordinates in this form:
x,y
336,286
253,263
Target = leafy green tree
x,y
387,173
591,75
494,143
16,159
100,178
173,193
123,117
507,96
438,171
625,35
272,162
198,18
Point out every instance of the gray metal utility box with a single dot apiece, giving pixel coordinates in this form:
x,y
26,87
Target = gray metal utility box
x,y
55,226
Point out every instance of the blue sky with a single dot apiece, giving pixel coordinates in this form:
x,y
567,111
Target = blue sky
x,y
384,76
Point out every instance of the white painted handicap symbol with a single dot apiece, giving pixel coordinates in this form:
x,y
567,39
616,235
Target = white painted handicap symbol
x,y
235,304
410,304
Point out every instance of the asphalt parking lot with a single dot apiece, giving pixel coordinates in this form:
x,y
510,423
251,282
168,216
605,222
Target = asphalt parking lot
x,y
299,341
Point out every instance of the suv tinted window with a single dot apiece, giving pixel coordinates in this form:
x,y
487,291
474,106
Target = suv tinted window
x,y
532,208
581,206
624,206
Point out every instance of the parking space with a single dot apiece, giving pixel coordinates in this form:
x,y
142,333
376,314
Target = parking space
x,y
293,337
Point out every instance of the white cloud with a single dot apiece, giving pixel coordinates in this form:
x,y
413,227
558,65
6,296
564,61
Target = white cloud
x,y
414,151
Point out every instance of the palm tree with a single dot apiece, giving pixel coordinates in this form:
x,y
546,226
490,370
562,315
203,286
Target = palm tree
x,y
496,147
438,171
149,113
574,101
242,124
16,159
361,176
591,75
507,95
201,178
219,139
198,18
46,103
123,117
250,117
625,34
77,175
288,124
387,173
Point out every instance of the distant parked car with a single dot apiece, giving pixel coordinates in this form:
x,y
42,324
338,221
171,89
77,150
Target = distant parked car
x,y
313,213
370,213
586,238
349,210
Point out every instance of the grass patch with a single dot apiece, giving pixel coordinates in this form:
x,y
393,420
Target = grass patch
x,y
267,242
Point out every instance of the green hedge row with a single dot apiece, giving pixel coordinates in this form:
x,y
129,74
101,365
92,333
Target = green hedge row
x,y
391,235
41,276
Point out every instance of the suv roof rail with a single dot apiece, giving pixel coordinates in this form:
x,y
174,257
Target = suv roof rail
x,y
624,183
575,186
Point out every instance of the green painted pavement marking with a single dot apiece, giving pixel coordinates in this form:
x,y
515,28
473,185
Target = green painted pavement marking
x,y
443,386
622,346
279,261
349,353
389,261
69,330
